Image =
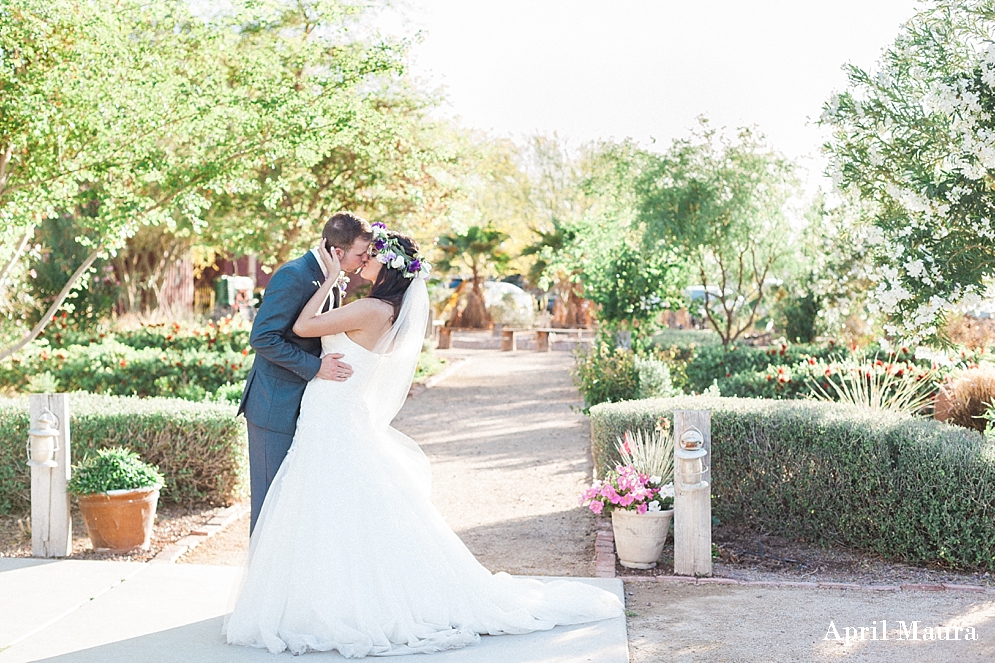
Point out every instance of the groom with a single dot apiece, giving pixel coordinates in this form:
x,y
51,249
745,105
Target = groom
x,y
285,362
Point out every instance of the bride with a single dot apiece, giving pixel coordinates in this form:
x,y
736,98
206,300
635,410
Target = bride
x,y
349,553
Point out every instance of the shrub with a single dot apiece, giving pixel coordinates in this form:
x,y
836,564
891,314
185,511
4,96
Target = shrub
x,y
653,379
113,469
967,397
900,486
200,447
112,367
606,375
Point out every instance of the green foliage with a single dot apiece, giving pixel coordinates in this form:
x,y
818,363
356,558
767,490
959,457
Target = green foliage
x,y
914,140
193,362
116,468
239,132
112,367
199,447
632,286
709,364
800,316
53,263
719,201
654,378
890,484
605,374
685,338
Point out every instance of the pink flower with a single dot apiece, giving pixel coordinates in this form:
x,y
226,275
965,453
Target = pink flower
x,y
596,507
641,508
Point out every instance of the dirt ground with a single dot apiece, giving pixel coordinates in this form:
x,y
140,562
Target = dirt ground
x,y
724,624
510,455
172,523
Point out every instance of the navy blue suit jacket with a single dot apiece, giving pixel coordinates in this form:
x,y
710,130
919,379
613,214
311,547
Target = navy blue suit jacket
x,y
284,361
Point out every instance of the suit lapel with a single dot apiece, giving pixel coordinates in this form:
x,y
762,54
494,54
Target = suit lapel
x,y
319,278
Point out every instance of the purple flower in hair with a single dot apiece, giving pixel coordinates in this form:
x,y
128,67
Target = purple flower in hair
x,y
378,224
380,244
415,266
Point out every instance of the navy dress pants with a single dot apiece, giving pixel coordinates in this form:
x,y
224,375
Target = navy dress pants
x,y
267,449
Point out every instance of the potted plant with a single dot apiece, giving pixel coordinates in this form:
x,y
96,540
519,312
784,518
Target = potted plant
x,y
639,494
117,494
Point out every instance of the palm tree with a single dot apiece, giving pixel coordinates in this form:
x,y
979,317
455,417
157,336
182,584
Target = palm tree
x,y
478,249
570,308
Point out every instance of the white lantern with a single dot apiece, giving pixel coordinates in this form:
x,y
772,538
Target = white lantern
x,y
42,443
690,452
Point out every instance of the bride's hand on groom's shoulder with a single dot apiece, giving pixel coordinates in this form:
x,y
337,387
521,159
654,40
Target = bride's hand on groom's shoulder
x,y
333,369
330,258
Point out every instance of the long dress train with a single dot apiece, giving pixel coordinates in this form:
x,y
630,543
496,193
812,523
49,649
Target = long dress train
x,y
349,553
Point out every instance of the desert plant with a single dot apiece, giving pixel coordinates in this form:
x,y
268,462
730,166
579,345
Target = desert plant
x,y
116,468
964,400
878,386
651,454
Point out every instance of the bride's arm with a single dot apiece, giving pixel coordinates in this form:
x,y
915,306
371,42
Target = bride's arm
x,y
357,315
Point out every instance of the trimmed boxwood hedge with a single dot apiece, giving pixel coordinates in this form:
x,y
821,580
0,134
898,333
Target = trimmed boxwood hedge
x,y
903,487
199,447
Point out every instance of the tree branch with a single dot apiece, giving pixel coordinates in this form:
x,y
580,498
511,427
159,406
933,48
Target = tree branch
x,y
50,313
4,163
21,244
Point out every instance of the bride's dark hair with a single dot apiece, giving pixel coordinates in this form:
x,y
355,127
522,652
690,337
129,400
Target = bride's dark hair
x,y
391,283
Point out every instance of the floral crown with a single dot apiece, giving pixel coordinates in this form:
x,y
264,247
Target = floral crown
x,y
388,251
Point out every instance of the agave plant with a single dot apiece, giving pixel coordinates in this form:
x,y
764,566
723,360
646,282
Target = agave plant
x,y
901,388
652,454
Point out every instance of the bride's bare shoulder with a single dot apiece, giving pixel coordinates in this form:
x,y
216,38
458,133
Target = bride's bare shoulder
x,y
375,308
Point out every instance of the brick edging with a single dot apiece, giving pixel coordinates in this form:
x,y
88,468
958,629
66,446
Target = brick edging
x,y
177,549
604,567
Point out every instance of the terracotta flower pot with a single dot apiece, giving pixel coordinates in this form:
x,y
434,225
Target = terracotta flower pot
x,y
639,537
120,520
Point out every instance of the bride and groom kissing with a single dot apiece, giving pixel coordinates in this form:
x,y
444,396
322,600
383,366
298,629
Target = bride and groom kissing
x,y
347,551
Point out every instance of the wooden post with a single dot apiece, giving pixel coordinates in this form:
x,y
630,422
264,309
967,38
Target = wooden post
x,y
542,340
692,495
51,526
508,341
445,338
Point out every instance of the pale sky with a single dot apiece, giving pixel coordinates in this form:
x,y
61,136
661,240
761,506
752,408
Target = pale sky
x,y
644,69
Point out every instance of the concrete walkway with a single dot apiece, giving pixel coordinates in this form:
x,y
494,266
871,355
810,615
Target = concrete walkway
x,y
125,612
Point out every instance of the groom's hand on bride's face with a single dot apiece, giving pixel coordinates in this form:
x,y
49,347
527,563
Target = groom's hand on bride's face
x,y
333,369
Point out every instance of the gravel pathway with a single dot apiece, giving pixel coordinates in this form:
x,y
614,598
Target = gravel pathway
x,y
510,454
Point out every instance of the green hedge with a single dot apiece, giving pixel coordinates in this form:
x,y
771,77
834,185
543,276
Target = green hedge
x,y
199,447
903,487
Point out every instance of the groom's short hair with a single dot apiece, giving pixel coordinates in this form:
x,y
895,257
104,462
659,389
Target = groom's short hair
x,y
344,228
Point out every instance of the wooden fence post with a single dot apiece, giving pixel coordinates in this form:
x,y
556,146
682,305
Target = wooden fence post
x,y
51,525
692,493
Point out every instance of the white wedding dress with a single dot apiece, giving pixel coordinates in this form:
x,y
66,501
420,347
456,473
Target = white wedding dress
x,y
349,553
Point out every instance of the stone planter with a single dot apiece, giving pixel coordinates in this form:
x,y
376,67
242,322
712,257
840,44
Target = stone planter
x,y
639,538
120,520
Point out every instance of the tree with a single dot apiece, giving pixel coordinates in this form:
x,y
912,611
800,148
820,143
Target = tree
x,y
916,141
122,114
479,250
719,201
593,242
